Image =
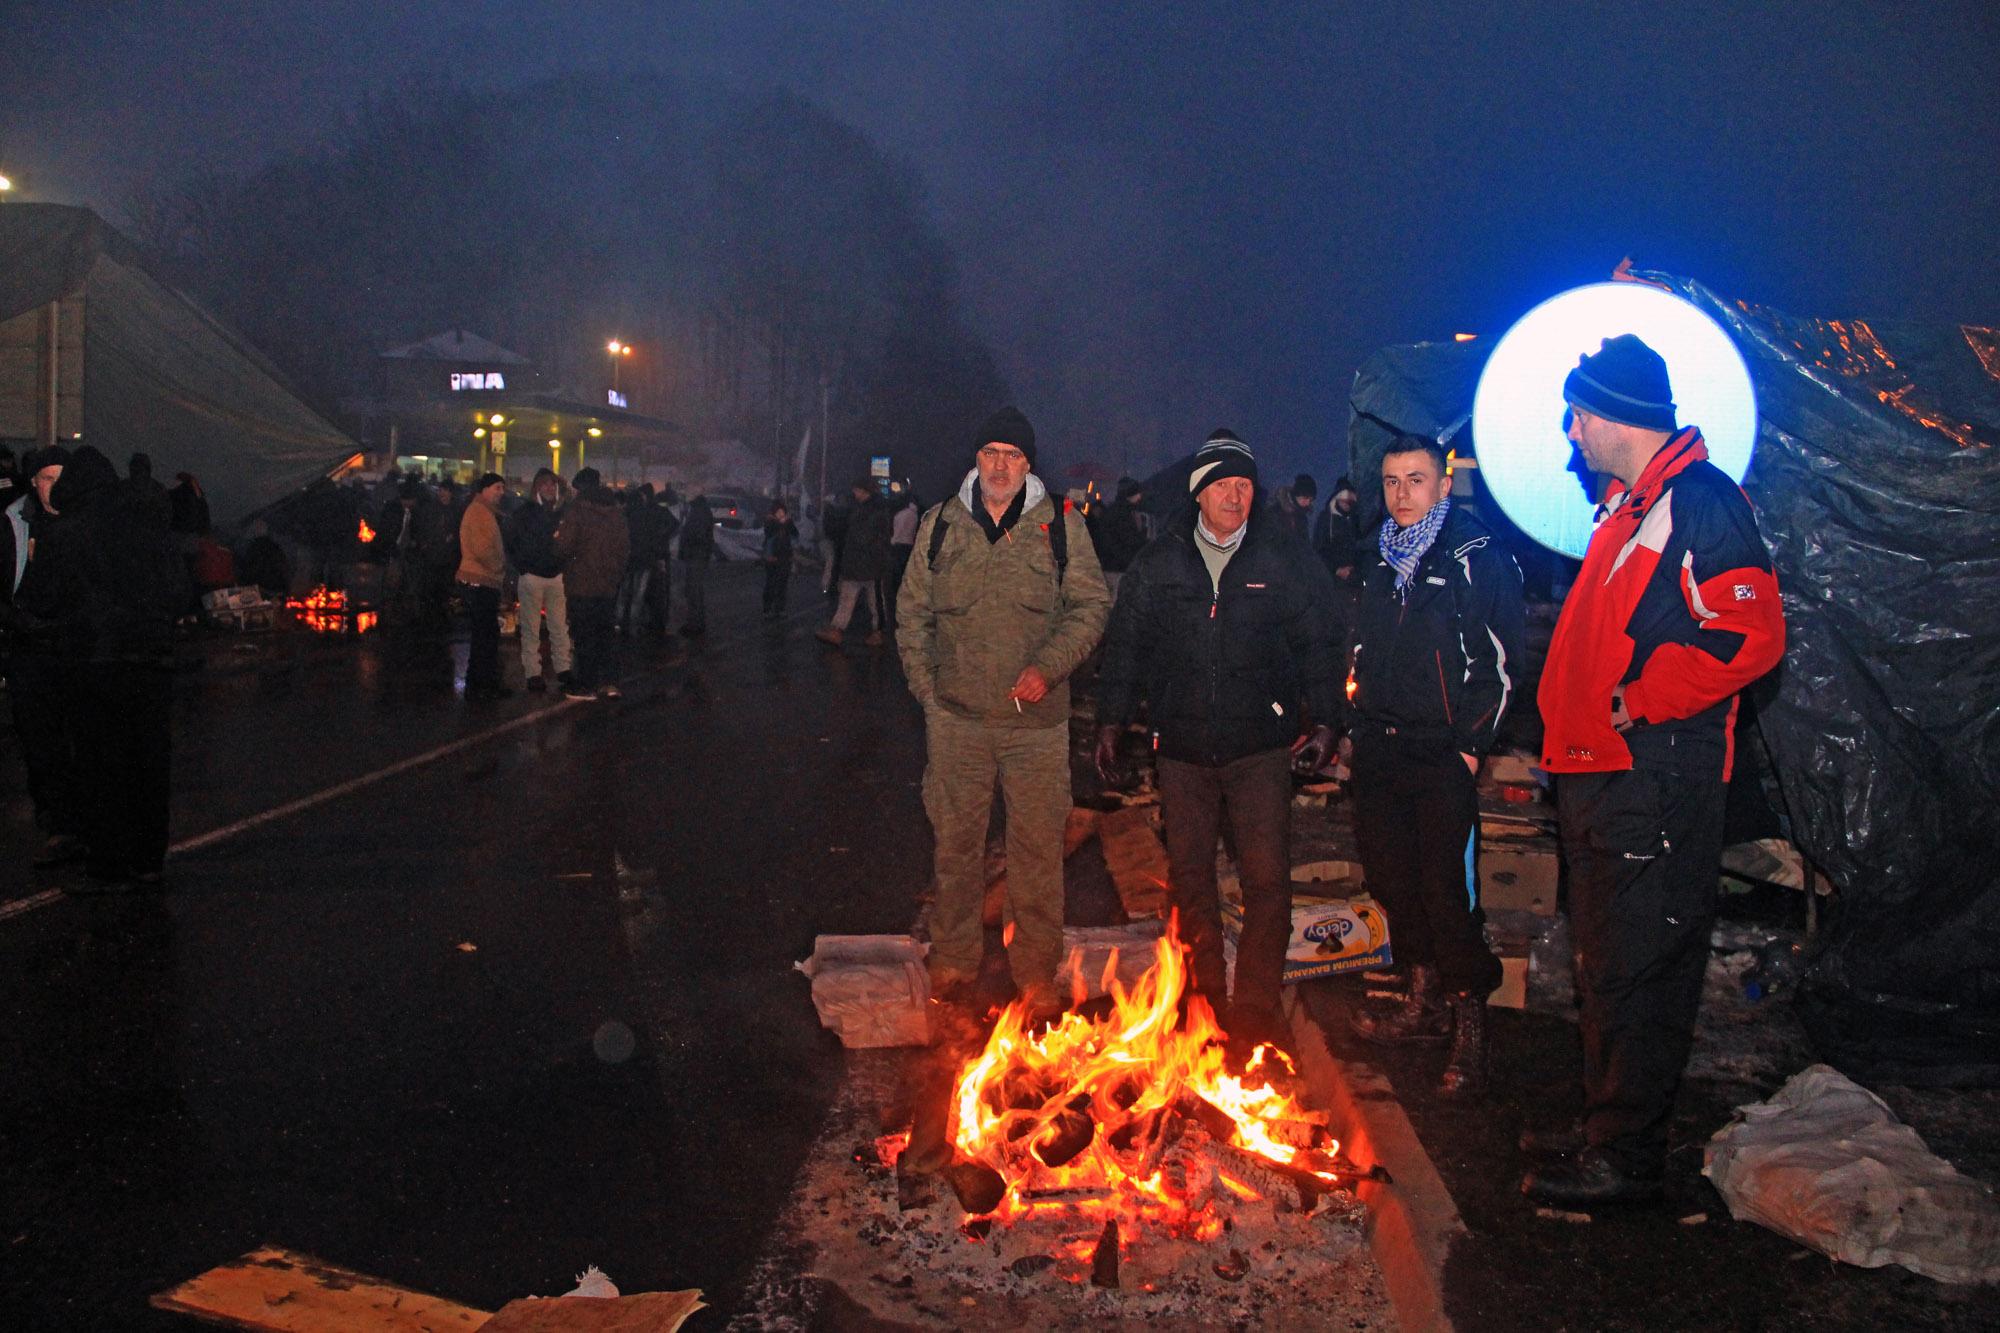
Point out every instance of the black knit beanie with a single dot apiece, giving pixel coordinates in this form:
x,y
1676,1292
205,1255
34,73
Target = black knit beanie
x,y
1222,455
1008,426
1626,381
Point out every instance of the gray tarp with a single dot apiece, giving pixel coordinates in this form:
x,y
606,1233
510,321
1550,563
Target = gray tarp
x,y
1877,489
160,374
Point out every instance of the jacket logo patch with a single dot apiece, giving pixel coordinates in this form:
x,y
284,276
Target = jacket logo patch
x,y
1432,578
1277,708
1256,585
1745,593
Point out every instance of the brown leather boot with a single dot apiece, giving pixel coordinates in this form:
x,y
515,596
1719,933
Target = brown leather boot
x,y
1420,1016
1465,1071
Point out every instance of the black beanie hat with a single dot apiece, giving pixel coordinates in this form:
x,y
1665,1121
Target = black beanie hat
x,y
1626,381
586,478
1304,487
1222,455
1008,426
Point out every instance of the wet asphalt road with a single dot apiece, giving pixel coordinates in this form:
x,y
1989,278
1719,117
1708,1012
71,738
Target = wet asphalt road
x,y
366,1031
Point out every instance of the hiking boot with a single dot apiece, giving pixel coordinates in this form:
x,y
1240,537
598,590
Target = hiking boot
x,y
1588,1179
536,684
1465,1071
1419,1017
565,678
828,635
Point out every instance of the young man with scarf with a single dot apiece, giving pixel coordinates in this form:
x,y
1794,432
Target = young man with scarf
x,y
1437,648
1001,601
1222,632
1675,611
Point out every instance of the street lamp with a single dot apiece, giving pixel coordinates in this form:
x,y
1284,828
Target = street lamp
x,y
618,352
6,184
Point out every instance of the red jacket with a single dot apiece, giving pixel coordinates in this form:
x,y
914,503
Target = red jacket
x,y
1676,601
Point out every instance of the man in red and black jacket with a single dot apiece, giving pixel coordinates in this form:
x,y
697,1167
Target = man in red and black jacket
x,y
1675,611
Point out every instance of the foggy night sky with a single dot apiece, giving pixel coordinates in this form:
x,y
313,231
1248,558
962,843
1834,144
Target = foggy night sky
x,y
1218,209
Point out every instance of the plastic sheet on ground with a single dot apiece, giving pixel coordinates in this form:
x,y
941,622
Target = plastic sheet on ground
x,y
1086,950
1826,1163
870,990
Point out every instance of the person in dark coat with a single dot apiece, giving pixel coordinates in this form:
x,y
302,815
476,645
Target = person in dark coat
x,y
1115,528
697,549
1337,535
1437,651
642,563
1295,507
1221,633
40,680
864,563
189,506
108,583
594,543
781,539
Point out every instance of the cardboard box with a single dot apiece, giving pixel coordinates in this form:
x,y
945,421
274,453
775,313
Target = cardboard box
x,y
1329,936
1519,875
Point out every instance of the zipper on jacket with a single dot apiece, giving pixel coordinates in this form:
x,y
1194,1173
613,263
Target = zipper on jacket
x,y
1444,691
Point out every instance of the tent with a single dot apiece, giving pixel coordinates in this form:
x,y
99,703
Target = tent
x,y
1877,487
94,344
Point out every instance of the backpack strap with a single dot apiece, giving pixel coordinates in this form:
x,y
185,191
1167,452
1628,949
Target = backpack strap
x,y
937,539
1059,540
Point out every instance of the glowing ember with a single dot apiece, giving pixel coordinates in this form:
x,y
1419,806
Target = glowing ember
x,y
365,533
1134,1115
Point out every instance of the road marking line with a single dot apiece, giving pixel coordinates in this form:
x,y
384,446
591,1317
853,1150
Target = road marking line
x,y
21,906
28,904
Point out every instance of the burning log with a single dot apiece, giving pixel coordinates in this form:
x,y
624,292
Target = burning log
x,y
1187,1170
1288,1189
978,1186
1104,1260
1069,1134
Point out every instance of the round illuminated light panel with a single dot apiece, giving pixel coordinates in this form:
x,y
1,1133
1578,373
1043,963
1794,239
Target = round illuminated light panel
x,y
1517,411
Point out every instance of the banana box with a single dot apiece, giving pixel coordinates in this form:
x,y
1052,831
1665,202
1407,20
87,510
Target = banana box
x,y
1329,935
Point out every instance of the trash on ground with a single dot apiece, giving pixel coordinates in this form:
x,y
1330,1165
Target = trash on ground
x,y
652,1311
1330,936
271,1288
870,990
1825,1162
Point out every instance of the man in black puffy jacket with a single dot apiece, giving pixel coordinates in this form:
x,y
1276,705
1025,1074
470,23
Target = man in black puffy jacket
x,y
1436,653
1221,630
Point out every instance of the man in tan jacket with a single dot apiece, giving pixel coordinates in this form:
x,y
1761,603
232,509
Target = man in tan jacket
x,y
482,570
1002,600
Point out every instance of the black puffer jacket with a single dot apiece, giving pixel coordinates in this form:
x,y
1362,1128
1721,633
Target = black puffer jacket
x,y
1443,668
1225,672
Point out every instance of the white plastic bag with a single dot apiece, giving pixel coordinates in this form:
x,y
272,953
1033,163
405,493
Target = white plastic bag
x,y
1826,1162
871,990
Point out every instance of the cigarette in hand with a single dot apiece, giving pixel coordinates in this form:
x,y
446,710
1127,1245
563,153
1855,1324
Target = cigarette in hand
x,y
1017,703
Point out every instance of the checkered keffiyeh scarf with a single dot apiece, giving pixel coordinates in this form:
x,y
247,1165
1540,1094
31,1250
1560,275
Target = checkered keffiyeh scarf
x,y
1404,547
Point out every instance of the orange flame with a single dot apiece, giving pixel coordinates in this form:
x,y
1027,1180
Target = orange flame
x,y
1026,1098
325,610
365,533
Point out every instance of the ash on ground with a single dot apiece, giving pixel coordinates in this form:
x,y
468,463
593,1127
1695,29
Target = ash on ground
x,y
845,1244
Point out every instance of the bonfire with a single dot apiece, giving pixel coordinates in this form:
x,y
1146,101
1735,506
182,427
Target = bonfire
x,y
1129,1114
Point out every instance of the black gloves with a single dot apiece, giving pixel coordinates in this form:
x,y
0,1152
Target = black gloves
x,y
1310,751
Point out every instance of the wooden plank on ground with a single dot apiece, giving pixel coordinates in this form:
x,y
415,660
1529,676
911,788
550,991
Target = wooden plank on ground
x,y
1136,860
647,1312
1080,828
276,1289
